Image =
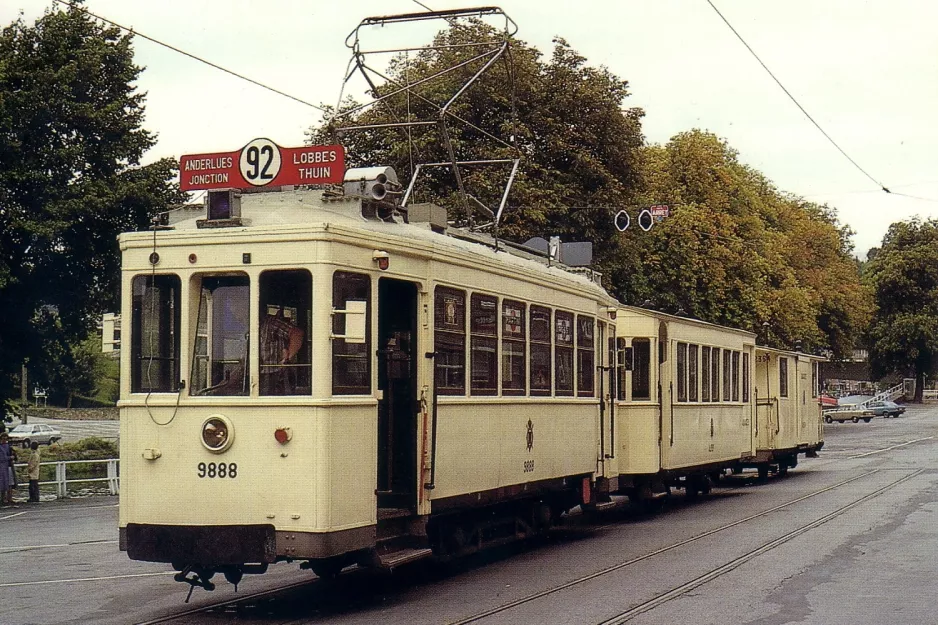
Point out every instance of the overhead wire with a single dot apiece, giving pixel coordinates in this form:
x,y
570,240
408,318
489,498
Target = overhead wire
x,y
188,54
795,100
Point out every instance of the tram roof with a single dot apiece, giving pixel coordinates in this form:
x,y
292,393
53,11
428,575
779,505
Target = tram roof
x,y
293,210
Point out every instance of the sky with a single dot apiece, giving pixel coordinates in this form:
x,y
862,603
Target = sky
x,y
866,71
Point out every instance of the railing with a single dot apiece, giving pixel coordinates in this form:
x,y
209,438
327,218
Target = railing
x,y
62,480
887,395
930,393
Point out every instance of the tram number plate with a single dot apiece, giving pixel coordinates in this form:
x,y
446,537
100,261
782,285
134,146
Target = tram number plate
x,y
528,466
221,470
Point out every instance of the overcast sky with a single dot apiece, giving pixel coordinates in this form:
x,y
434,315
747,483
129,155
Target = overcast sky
x,y
866,71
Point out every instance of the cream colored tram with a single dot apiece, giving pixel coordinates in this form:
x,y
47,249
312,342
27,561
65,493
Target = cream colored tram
x,y
684,403
788,411
305,381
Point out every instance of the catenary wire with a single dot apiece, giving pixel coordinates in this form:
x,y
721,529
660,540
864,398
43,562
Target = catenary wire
x,y
189,54
798,104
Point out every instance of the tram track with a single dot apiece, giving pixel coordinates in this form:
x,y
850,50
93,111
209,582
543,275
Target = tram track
x,y
272,592
712,574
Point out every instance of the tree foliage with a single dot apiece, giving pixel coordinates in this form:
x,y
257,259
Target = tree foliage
x,y
71,140
903,274
735,249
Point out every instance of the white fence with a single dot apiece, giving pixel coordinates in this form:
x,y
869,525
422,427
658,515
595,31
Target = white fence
x,y
62,480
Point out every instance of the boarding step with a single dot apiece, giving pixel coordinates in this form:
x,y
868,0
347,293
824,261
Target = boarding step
x,y
605,505
403,556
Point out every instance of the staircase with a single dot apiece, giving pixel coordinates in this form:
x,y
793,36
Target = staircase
x,y
889,394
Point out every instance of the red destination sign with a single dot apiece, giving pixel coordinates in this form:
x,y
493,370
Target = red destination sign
x,y
261,163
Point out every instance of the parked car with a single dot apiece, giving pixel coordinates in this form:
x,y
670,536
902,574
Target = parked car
x,y
42,434
847,414
886,408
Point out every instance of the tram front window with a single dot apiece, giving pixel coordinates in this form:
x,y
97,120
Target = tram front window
x,y
285,332
220,358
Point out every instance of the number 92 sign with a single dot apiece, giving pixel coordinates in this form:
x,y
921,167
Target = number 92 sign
x,y
261,163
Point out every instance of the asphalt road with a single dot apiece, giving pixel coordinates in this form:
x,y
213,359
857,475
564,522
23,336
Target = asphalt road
x,y
850,537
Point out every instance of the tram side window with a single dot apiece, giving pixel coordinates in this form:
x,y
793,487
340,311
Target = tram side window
x,y
351,362
483,327
682,371
563,354
727,375
641,370
814,379
624,363
284,332
540,350
783,377
704,374
693,361
450,341
220,358
585,356
735,376
745,377
715,374
514,353
155,334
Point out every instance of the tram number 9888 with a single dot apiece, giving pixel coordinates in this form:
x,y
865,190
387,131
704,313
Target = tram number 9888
x,y
222,470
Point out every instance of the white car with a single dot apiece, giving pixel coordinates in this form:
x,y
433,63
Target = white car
x,y
25,434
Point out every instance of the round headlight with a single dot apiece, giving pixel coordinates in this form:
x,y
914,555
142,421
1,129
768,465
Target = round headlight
x,y
217,433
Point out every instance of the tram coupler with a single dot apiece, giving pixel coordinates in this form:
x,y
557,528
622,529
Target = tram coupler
x,y
200,577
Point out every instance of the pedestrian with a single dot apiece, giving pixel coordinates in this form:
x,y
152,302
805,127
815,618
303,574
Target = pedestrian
x,y
6,470
32,469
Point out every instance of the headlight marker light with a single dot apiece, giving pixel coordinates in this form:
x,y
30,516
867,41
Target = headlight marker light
x,y
217,433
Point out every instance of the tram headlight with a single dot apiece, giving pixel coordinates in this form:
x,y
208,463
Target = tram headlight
x,y
217,433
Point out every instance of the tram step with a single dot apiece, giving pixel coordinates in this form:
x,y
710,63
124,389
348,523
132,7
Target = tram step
x,y
606,505
398,558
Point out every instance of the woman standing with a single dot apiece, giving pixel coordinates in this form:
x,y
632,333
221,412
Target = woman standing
x,y
6,470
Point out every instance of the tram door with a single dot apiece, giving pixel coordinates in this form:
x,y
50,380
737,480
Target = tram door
x,y
397,379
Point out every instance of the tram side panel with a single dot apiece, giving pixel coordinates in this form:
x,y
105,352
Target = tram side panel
x,y
812,423
510,438
638,411
705,429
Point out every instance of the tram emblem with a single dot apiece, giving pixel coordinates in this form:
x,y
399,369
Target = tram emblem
x,y
530,436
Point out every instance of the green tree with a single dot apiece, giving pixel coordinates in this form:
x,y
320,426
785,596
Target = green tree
x,y
579,146
71,140
735,250
904,277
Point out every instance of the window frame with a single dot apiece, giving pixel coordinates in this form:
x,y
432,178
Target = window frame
x,y
513,342
541,345
680,366
172,316
360,354
564,352
481,340
585,359
304,356
706,363
642,367
454,331
783,376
